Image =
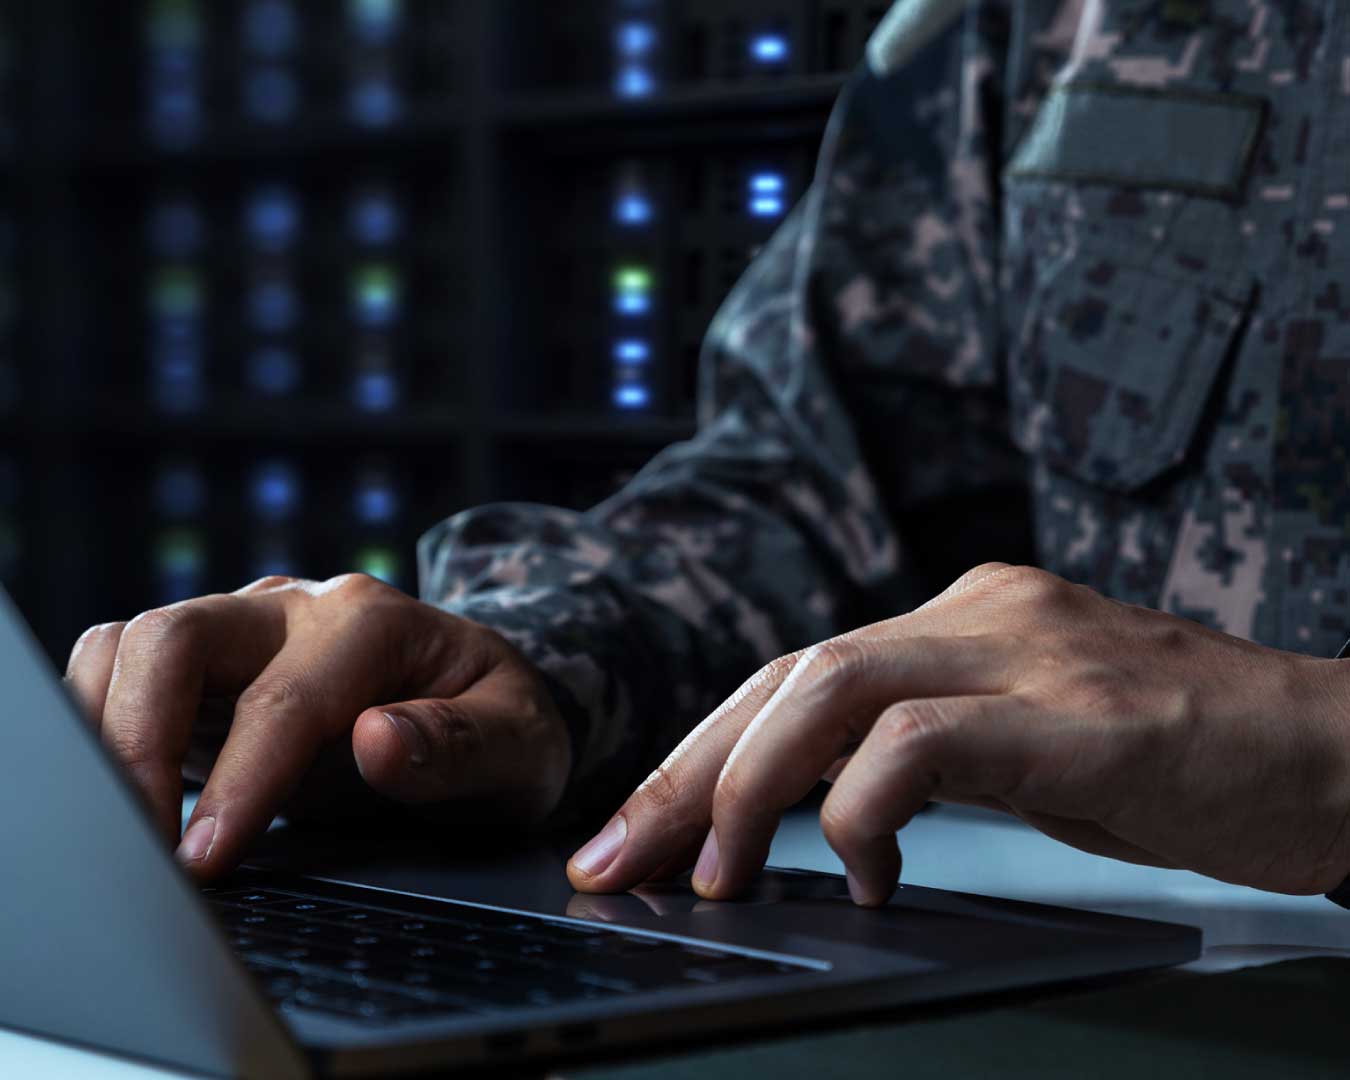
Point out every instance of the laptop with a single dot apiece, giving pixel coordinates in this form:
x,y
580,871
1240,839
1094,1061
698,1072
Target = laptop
x,y
324,962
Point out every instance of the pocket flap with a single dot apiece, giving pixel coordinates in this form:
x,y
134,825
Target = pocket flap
x,y
1114,366
1179,140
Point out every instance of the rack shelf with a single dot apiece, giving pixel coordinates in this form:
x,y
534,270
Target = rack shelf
x,y
509,245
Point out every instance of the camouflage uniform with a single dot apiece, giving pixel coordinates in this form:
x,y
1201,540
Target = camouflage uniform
x,y
1066,288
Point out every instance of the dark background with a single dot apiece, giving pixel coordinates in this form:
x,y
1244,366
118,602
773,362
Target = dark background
x,y
284,282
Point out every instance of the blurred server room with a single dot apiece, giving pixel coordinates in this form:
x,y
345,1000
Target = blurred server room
x,y
285,282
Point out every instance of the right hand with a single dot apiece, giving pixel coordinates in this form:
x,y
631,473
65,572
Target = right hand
x,y
247,692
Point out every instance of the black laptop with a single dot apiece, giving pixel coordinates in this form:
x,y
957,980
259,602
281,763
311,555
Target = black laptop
x,y
290,971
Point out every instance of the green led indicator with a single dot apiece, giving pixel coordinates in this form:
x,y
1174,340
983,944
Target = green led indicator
x,y
376,291
177,293
633,279
374,11
380,563
175,24
180,552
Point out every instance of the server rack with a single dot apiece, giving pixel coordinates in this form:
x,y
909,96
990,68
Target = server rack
x,y
296,279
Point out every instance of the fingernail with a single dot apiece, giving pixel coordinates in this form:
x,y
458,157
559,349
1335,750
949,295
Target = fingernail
x,y
196,842
855,889
705,870
596,856
418,750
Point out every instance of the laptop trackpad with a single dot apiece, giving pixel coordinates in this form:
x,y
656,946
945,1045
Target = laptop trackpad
x,y
782,910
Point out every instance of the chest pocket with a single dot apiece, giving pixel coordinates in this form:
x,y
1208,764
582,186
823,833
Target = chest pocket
x,y
1125,275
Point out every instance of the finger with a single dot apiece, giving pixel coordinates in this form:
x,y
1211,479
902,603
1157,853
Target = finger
x,y
916,750
822,710
90,669
678,863
165,661
671,810
497,741
839,765
675,802
305,698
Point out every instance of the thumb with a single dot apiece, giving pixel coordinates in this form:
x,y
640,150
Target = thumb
x,y
489,743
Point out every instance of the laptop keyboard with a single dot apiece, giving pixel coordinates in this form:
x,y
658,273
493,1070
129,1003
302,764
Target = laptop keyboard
x,y
382,964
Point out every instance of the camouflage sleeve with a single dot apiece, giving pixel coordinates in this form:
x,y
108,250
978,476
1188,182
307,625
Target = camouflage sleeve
x,y
766,532
724,552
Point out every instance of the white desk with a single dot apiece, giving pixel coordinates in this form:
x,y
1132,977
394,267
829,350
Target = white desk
x,y
969,851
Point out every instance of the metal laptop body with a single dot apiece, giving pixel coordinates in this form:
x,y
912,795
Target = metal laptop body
x,y
104,942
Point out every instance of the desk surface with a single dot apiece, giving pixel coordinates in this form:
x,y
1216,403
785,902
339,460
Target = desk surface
x,y
967,851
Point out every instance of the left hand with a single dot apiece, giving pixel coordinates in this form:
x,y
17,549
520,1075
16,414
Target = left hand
x,y
1117,729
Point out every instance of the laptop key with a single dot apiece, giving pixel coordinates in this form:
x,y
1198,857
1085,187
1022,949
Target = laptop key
x,y
246,897
309,908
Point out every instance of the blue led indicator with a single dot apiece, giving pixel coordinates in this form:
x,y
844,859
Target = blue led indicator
x,y
375,219
276,490
374,101
273,218
769,48
175,33
375,22
376,501
632,396
632,352
375,391
273,306
633,208
178,370
271,95
634,40
274,371
180,492
270,27
634,81
767,194
175,115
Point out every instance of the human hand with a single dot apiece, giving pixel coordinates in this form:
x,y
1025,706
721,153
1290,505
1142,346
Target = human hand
x,y
309,677
1117,729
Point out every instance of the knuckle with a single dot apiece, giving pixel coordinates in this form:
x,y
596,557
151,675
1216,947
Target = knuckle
x,y
1036,586
779,668
104,633
153,628
733,795
276,693
455,731
129,742
356,586
269,583
663,790
831,661
839,825
910,727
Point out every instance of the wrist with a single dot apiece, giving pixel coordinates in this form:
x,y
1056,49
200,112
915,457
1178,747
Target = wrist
x,y
1329,741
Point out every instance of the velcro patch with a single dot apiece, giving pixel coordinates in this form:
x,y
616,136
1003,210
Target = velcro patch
x,y
1104,133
